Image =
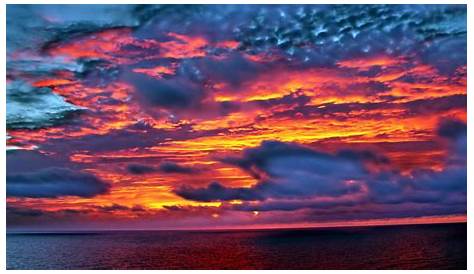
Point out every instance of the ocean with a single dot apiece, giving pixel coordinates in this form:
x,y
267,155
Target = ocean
x,y
433,246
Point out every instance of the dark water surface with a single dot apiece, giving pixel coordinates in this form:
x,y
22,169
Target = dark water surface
x,y
439,246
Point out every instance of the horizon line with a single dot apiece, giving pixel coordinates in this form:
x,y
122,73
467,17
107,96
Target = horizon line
x,y
449,219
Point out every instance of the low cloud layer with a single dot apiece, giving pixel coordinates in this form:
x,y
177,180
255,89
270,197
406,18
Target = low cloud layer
x,y
289,170
294,177
53,183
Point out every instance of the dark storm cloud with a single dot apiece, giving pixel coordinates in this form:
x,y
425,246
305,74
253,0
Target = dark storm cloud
x,y
37,160
423,186
264,157
22,215
426,186
17,215
289,170
54,182
217,192
140,169
293,177
234,69
452,129
23,212
178,92
455,133
447,55
165,167
445,191
186,89
172,167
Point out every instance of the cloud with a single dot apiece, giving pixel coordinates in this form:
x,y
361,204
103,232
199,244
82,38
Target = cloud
x,y
452,128
341,31
423,186
140,169
55,182
217,192
296,98
447,63
172,167
120,208
188,88
454,132
29,107
233,70
165,167
369,88
288,170
273,154
23,212
344,111
402,48
178,92
36,160
293,177
139,135
60,22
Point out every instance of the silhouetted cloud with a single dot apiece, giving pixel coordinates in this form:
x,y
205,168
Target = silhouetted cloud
x,y
179,92
295,177
53,183
217,192
289,170
172,167
452,128
165,167
140,169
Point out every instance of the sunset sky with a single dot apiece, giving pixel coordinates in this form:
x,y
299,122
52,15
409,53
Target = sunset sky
x,y
159,117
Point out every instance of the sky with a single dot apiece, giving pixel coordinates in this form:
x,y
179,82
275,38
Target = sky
x,y
210,116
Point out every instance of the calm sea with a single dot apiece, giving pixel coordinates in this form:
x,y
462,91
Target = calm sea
x,y
440,246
